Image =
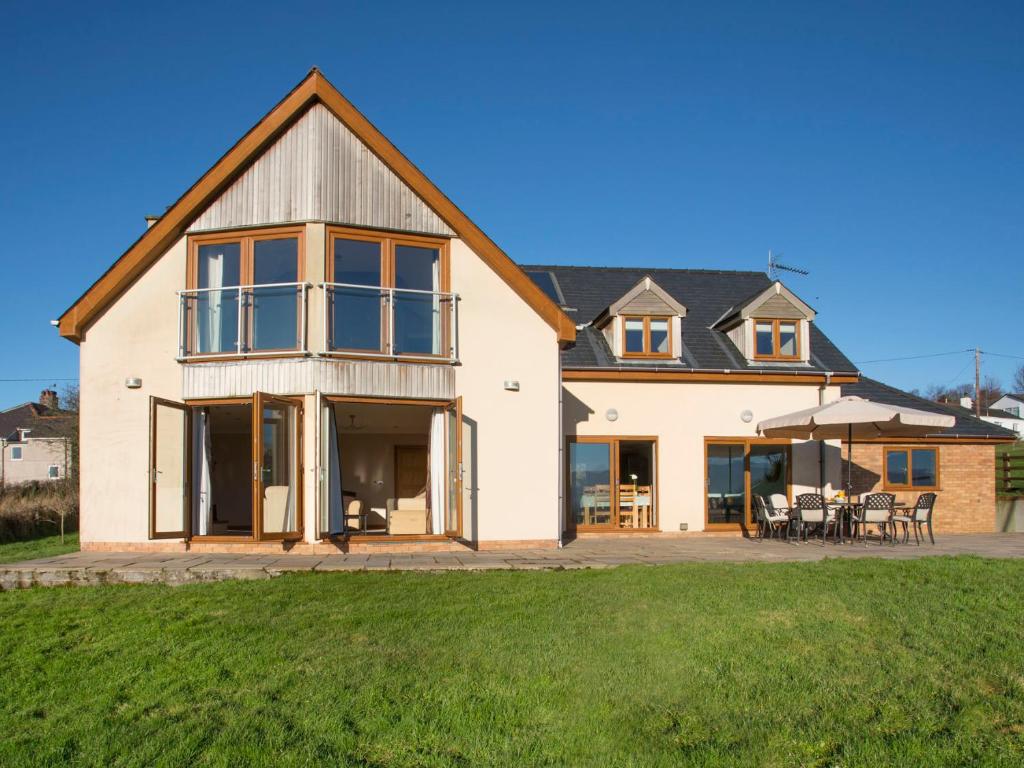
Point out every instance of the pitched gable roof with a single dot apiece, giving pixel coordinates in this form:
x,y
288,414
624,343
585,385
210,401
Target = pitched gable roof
x,y
41,420
314,89
707,294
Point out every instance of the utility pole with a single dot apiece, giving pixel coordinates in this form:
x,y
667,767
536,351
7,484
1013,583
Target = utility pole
x,y
977,382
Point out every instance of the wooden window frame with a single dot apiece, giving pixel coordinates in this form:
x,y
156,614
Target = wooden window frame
x,y
909,486
388,242
776,322
647,353
570,525
746,442
246,238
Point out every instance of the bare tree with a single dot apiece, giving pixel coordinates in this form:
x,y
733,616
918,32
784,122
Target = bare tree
x,y
1018,380
990,392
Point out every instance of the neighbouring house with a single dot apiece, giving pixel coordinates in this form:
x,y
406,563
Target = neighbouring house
x,y
1007,419
34,442
314,349
1009,406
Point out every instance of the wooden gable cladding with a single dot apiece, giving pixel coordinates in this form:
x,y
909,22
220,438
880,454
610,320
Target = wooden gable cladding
x,y
319,170
647,303
314,89
778,307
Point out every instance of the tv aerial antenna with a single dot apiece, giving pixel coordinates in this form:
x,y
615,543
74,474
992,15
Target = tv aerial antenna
x,y
775,267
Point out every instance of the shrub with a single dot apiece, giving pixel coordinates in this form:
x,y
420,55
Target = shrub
x,y
38,509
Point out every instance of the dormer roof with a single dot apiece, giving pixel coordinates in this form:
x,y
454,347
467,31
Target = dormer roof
x,y
709,295
644,298
774,301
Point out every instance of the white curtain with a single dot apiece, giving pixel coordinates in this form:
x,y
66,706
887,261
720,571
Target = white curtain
x,y
437,471
213,301
435,346
202,488
335,502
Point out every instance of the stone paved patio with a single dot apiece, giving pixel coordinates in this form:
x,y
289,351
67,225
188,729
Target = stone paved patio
x,y
90,568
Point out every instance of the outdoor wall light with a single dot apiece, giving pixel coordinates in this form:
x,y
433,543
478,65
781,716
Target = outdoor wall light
x,y
747,416
511,385
133,382
611,414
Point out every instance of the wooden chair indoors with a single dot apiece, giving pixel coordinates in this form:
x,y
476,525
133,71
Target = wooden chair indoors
x,y
627,506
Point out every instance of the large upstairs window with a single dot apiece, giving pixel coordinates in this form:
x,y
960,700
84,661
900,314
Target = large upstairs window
x,y
245,294
387,296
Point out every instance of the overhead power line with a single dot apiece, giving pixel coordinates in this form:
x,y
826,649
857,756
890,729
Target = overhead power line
x,y
914,357
41,378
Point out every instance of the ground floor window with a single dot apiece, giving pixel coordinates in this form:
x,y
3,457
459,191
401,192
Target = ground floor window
x,y
738,469
612,483
911,469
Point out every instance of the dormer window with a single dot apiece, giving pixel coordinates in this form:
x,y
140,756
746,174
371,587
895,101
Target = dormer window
x,y
646,336
776,339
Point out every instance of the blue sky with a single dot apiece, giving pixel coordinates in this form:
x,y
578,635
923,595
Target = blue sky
x,y
879,147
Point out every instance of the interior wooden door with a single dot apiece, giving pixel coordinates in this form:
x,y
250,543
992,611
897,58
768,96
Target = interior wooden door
x,y
411,471
277,467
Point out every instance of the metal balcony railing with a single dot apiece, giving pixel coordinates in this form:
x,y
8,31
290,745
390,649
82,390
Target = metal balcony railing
x,y
243,321
393,323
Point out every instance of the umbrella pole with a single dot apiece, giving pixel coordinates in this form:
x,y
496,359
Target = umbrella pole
x,y
849,462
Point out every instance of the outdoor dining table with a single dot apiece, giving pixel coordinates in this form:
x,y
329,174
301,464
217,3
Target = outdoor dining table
x,y
845,509
844,512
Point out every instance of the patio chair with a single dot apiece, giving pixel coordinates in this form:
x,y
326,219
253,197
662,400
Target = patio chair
x,y
811,511
769,520
877,509
920,516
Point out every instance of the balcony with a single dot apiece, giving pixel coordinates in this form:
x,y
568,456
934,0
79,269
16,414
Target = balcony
x,y
243,321
359,321
390,323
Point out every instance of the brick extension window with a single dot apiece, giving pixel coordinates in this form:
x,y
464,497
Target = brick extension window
x,y
911,469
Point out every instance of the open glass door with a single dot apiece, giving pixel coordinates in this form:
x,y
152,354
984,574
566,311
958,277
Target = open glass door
x,y
277,467
168,469
453,510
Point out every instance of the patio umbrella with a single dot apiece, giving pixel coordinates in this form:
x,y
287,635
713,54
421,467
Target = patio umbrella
x,y
850,417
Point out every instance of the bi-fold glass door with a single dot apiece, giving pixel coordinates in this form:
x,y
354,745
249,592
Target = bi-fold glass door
x,y
226,469
611,483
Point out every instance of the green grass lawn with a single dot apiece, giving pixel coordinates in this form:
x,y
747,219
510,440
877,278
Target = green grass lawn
x,y
839,663
45,546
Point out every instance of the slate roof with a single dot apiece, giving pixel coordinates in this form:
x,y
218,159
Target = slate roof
x,y
43,421
967,424
707,295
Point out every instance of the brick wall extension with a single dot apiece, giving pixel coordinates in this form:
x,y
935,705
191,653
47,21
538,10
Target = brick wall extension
x,y
967,488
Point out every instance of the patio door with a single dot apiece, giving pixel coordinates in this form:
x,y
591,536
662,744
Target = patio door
x,y
738,469
612,484
277,467
169,488
456,473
